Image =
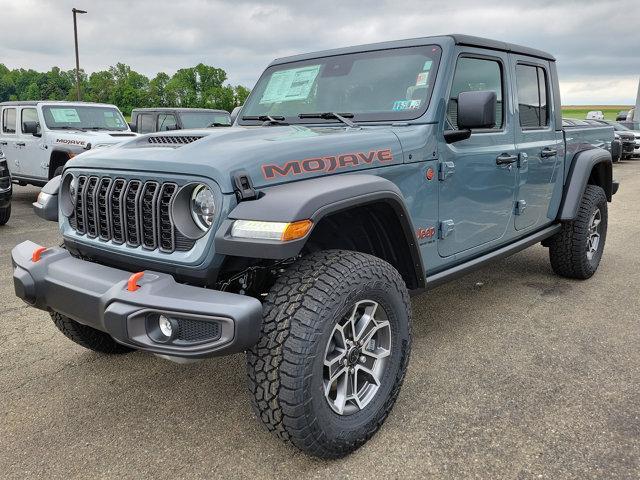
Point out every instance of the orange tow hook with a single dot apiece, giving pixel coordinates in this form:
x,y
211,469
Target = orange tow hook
x,y
132,284
37,254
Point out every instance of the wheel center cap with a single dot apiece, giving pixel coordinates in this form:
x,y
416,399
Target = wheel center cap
x,y
353,356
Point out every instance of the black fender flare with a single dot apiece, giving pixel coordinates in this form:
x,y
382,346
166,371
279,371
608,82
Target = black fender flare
x,y
313,199
579,173
59,151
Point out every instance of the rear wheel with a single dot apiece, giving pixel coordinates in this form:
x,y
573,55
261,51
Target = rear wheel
x,y
87,337
575,251
335,344
5,214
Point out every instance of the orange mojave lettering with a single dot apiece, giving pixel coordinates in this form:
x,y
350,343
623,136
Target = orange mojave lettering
x,y
326,164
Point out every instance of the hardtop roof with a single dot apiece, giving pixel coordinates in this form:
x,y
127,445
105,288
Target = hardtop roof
x,y
177,109
32,103
456,39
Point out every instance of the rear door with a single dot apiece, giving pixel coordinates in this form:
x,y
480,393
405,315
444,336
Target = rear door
x,y
476,191
9,139
539,148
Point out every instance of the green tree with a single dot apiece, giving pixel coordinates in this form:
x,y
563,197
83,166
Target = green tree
x,y
159,96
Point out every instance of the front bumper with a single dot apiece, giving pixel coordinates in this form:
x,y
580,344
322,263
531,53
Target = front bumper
x,y
97,296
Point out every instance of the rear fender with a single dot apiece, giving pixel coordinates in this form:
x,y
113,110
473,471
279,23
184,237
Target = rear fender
x,y
589,166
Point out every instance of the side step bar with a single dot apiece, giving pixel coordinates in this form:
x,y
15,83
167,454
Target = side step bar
x,y
459,270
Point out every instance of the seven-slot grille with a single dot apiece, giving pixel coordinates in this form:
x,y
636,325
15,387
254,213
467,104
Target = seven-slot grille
x,y
129,212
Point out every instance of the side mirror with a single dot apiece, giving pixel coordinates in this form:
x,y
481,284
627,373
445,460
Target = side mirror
x,y
31,127
133,126
234,114
475,110
46,206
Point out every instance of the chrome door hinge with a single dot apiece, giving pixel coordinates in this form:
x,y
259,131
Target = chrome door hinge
x,y
446,228
521,206
445,169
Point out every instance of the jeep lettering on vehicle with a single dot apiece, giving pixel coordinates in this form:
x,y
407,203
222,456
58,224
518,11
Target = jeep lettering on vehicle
x,y
70,141
326,164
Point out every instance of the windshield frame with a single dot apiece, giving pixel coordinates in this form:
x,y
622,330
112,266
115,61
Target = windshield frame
x,y
433,50
81,127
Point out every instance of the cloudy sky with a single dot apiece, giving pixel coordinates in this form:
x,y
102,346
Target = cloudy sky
x,y
595,42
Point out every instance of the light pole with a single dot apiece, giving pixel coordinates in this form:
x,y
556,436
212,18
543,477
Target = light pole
x,y
75,36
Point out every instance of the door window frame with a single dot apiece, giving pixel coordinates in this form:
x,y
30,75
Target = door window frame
x,y
166,114
153,122
22,110
15,126
505,99
549,100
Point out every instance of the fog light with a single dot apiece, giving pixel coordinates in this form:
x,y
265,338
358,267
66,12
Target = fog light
x,y
168,327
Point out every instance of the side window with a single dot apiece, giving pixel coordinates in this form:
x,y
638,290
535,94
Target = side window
x,y
532,96
28,115
167,121
9,120
146,123
476,74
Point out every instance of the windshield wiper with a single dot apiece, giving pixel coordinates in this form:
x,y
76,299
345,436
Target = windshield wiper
x,y
218,124
343,117
67,127
267,119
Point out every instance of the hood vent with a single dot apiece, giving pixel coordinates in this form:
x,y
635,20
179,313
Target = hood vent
x,y
122,134
174,139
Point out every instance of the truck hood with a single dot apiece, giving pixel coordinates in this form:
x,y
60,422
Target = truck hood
x,y
269,155
74,139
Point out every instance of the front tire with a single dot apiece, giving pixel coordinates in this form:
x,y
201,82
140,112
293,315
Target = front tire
x,y
87,337
5,214
576,250
335,344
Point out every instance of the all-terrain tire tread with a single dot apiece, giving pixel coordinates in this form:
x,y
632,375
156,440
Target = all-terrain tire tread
x,y
86,336
566,248
5,213
276,365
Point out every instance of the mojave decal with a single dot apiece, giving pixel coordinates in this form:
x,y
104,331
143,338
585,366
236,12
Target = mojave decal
x,y
326,164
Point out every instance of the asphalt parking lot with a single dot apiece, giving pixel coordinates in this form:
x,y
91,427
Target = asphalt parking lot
x,y
515,373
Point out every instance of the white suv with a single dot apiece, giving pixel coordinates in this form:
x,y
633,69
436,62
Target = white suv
x,y
39,137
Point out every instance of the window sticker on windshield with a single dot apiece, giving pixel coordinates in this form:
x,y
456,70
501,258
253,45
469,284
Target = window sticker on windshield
x,y
289,85
401,104
65,115
415,104
427,65
422,78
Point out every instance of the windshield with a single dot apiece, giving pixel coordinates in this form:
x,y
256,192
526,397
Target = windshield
x,y
385,85
204,119
61,117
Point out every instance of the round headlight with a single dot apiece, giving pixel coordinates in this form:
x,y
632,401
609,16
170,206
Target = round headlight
x,y
73,189
203,207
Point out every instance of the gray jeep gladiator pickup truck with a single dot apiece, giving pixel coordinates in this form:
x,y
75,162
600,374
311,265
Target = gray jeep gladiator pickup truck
x,y
351,178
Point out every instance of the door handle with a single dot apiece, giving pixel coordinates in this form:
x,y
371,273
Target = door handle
x,y
506,159
21,144
548,152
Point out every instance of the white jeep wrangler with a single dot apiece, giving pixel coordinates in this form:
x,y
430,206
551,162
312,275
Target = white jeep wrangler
x,y
39,137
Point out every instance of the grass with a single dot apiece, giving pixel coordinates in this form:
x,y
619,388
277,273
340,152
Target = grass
x,y
580,111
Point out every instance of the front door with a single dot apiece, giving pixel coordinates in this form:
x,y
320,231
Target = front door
x,y
539,147
33,159
477,177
